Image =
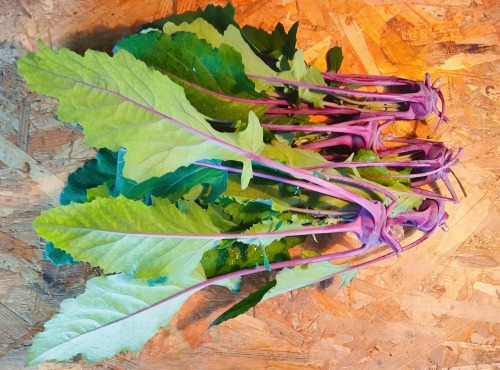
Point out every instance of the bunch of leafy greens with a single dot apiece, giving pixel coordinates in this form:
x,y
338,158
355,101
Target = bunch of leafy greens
x,y
211,166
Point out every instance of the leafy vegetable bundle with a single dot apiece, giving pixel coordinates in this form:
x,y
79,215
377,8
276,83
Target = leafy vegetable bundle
x,y
220,149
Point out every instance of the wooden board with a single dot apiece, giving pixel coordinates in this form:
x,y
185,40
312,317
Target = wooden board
x,y
436,306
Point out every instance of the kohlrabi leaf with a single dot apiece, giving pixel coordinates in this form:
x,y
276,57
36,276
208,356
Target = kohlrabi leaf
x,y
116,313
293,157
105,172
272,46
286,280
237,256
210,76
271,225
405,201
248,212
57,256
93,173
217,16
334,59
379,174
121,102
232,37
245,304
347,277
301,276
300,71
122,235
281,194
100,191
175,184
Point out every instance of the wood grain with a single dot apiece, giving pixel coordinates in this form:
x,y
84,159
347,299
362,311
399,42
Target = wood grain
x,y
436,306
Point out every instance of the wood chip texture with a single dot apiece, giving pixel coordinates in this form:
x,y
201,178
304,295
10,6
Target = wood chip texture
x,y
435,306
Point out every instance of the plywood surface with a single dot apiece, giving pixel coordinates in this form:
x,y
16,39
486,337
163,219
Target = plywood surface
x,y
436,306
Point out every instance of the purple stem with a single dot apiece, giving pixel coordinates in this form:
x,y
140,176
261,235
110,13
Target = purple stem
x,y
279,179
385,234
330,189
274,266
428,173
416,163
409,97
342,109
367,80
228,97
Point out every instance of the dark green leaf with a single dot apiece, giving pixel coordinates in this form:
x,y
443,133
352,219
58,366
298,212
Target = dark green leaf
x,y
217,16
175,184
272,46
334,59
245,304
93,173
57,256
220,17
106,169
201,70
288,48
249,212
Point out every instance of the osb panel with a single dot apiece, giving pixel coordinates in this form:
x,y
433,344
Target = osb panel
x,y
435,306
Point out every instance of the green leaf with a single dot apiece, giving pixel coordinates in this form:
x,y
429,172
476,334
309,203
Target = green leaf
x,y
288,48
293,157
220,17
271,225
280,195
121,235
198,67
93,173
245,304
378,174
175,184
105,170
271,46
237,256
285,281
299,277
121,102
300,71
334,59
57,256
347,277
248,212
232,37
405,201
100,191
267,44
217,16
116,313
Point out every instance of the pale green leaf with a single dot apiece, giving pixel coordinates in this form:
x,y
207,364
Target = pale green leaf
x,y
405,201
115,313
347,277
121,102
299,277
122,235
285,281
